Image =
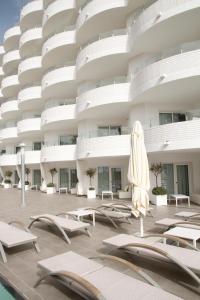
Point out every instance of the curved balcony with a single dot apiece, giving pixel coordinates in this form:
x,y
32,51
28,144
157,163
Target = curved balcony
x,y
100,16
31,157
107,98
10,86
113,146
162,138
9,109
92,62
60,83
30,40
30,70
8,135
2,52
29,127
59,48
59,117
56,12
164,79
8,160
155,23
31,15
58,153
30,98
10,61
11,38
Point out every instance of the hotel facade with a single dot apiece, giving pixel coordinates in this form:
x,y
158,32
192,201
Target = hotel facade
x,y
75,76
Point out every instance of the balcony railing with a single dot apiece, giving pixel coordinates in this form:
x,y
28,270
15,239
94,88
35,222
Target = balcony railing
x,y
59,30
105,82
59,102
154,122
54,68
180,49
101,36
124,130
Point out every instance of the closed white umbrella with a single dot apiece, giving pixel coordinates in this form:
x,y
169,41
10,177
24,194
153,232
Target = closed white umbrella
x,y
138,174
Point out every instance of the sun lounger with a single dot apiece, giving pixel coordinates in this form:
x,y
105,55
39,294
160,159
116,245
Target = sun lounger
x,y
63,224
93,280
170,222
188,215
188,259
190,234
123,206
11,236
114,215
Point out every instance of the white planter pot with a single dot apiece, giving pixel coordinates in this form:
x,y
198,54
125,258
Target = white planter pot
x,y
159,200
26,187
91,194
7,185
51,190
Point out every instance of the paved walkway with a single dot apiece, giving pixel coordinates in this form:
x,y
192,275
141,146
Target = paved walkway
x,y
21,268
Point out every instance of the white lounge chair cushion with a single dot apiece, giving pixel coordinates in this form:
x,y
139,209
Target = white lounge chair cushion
x,y
71,262
187,214
66,224
188,257
11,236
114,214
115,285
169,222
112,284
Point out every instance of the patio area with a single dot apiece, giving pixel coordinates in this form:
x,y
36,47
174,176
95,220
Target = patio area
x,y
21,268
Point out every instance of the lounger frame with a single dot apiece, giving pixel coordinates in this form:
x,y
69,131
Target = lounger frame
x,y
21,225
50,221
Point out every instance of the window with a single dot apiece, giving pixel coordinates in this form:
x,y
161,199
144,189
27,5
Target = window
x,y
68,140
17,149
73,178
3,151
109,130
167,118
37,146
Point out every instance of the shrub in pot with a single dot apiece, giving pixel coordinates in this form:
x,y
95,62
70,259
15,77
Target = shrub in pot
x,y
51,188
7,181
27,183
159,193
91,192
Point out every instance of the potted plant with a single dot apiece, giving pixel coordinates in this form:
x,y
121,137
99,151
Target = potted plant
x,y
159,193
27,183
51,189
91,192
7,181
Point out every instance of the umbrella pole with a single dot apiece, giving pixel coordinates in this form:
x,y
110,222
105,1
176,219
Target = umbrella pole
x,y
141,226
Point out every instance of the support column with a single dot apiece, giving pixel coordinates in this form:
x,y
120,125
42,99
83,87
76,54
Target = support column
x,y
2,174
80,175
44,178
18,168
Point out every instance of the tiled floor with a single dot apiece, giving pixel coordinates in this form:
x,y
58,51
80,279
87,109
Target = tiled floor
x,y
21,268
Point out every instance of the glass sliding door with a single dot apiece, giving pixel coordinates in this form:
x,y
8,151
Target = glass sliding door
x,y
64,177
37,177
73,178
116,179
165,118
103,179
109,179
167,178
182,179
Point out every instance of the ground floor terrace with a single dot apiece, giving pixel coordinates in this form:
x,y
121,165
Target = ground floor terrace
x,y
180,173
21,268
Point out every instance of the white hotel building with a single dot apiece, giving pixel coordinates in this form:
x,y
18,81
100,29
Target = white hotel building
x,y
76,74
